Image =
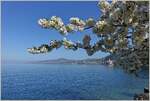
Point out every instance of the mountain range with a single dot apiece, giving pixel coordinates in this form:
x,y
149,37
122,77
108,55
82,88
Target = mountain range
x,y
68,61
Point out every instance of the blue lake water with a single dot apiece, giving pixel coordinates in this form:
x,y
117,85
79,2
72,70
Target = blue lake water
x,y
59,81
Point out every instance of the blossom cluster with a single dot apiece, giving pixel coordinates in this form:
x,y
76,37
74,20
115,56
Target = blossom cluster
x,y
76,24
54,22
68,44
42,49
100,27
104,5
124,14
80,24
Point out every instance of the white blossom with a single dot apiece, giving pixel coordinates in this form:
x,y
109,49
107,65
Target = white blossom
x,y
90,22
70,27
104,5
51,23
58,22
99,27
115,14
63,30
43,49
67,44
80,28
76,21
43,22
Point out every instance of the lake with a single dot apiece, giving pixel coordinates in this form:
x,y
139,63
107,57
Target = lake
x,y
66,81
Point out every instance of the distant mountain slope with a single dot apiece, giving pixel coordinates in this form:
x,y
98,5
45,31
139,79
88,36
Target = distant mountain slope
x,y
68,61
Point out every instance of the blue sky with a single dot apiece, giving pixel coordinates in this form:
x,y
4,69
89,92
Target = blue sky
x,y
21,31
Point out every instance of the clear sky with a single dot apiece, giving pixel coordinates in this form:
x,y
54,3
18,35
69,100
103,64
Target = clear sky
x,y
21,31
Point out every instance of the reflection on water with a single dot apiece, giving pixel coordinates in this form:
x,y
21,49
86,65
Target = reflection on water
x,y
54,81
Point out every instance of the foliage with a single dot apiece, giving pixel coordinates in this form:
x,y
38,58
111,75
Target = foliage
x,y
123,30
